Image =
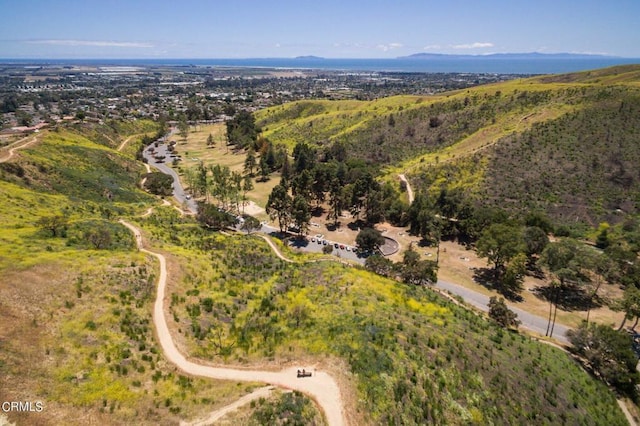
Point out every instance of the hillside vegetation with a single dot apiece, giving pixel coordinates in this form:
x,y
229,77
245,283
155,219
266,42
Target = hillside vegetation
x,y
415,357
564,144
76,297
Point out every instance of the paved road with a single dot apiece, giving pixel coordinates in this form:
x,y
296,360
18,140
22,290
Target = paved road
x,y
529,321
178,191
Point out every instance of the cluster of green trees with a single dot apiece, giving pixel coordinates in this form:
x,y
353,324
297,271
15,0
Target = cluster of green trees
x,y
158,183
516,247
219,184
609,354
316,177
412,270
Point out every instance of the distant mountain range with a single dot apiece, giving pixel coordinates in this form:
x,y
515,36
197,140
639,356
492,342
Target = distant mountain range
x,y
531,55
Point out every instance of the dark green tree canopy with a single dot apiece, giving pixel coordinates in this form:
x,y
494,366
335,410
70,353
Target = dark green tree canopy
x,y
369,239
500,313
159,183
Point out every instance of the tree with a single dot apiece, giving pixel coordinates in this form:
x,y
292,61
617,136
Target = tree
x,y
336,201
500,313
210,141
250,162
212,217
279,206
369,239
419,273
301,214
56,224
410,257
158,183
99,238
380,265
564,259
265,171
183,127
511,282
250,224
602,241
236,188
302,184
304,157
500,243
535,240
630,305
247,185
242,130
609,353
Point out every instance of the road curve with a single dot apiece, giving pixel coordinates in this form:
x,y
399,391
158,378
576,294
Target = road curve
x,y
321,386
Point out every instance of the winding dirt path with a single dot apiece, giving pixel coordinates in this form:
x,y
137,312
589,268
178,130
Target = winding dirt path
x,y
321,386
22,143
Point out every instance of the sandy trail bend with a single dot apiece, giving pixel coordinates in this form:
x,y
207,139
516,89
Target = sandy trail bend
x,y
263,392
321,386
22,143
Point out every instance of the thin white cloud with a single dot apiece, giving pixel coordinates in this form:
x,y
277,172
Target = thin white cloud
x,y
389,46
432,47
476,45
92,43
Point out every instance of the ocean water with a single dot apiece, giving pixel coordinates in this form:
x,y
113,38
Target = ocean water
x,y
540,65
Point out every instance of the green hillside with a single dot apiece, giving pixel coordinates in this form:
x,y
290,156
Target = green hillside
x,y
564,144
76,303
415,357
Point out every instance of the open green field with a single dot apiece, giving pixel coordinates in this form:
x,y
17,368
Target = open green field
x,y
194,150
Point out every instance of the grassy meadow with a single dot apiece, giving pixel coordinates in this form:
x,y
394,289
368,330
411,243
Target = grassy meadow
x,y
195,150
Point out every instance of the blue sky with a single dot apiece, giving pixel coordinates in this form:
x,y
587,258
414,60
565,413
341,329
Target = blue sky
x,y
328,28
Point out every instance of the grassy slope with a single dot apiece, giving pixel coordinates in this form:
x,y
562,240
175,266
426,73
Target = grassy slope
x,y
415,357
480,140
75,330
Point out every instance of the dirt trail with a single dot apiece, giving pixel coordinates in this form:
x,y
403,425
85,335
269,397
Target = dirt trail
x,y
22,143
263,392
321,386
125,142
409,189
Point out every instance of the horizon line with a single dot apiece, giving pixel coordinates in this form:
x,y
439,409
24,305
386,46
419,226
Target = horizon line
x,y
410,56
